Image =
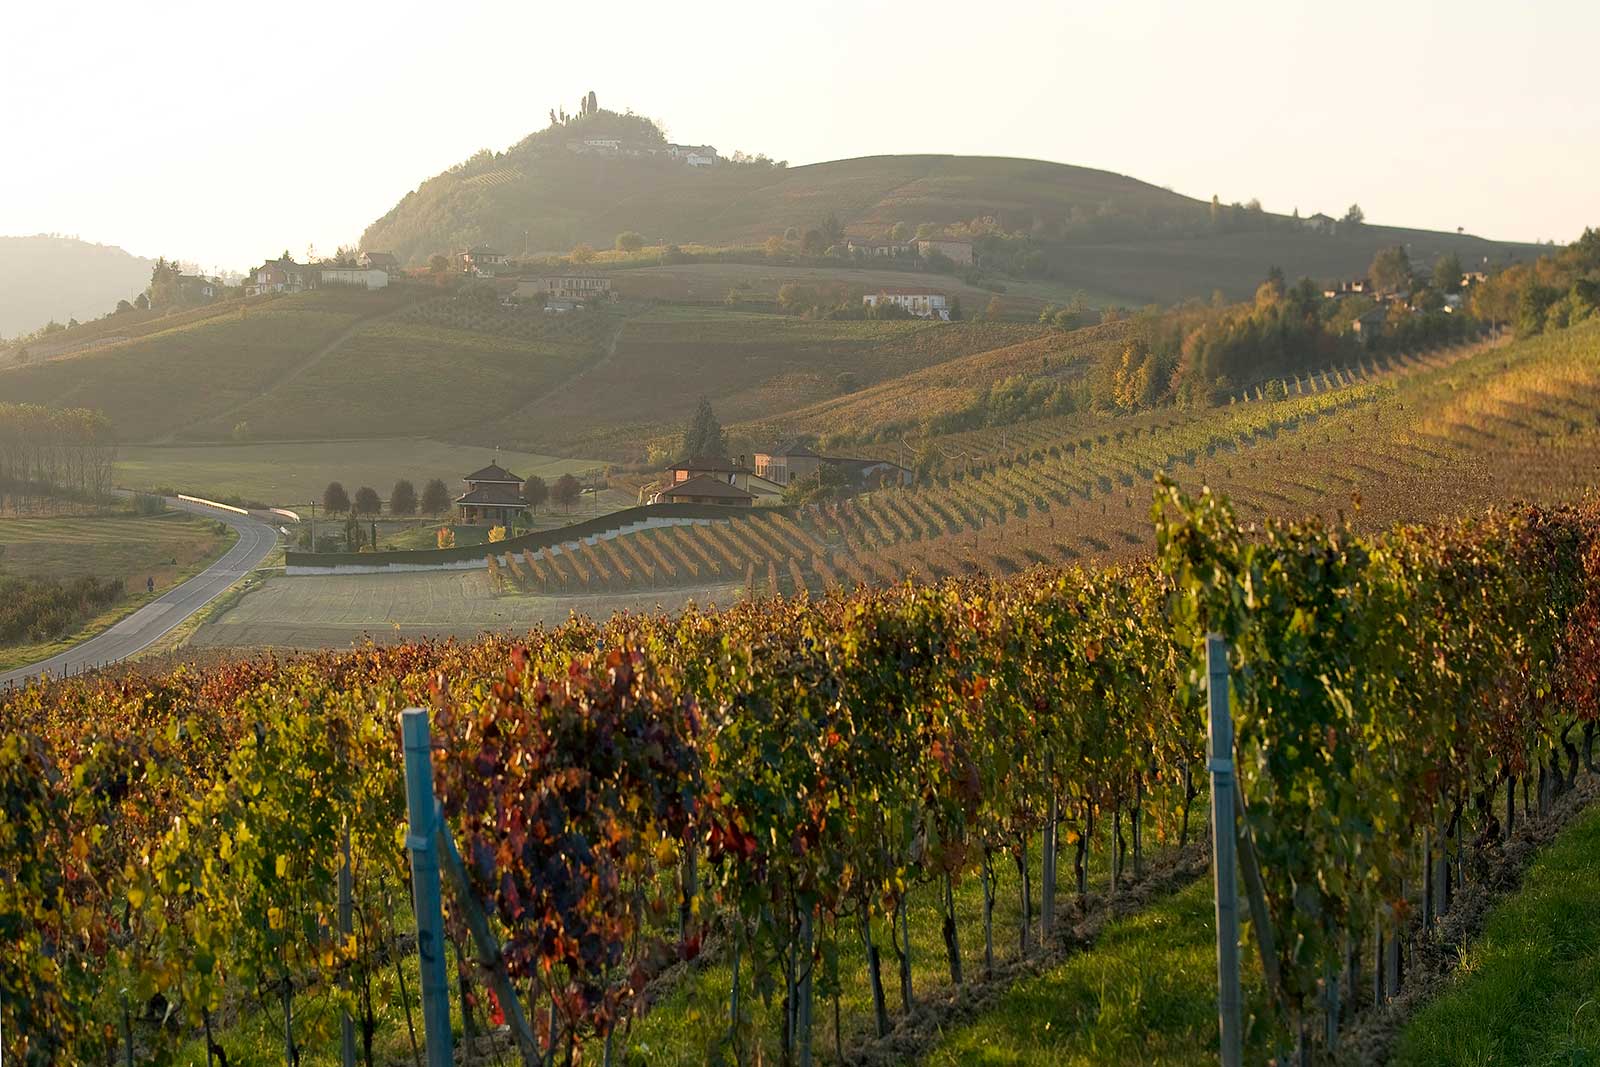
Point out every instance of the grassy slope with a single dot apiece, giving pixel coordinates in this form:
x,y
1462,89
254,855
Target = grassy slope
x,y
179,376
1152,244
411,377
1528,990
750,366
952,384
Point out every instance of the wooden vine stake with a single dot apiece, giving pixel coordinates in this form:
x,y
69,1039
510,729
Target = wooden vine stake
x,y
1223,843
422,819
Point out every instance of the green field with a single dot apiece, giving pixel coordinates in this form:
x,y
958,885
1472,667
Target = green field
x,y
168,548
1527,992
295,472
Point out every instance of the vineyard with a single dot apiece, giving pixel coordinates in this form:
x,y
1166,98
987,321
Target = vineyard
x,y
1414,436
773,833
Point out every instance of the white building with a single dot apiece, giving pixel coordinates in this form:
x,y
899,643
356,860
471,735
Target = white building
x,y
920,302
695,155
355,277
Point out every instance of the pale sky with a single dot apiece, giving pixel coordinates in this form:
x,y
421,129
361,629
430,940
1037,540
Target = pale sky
x,y
223,133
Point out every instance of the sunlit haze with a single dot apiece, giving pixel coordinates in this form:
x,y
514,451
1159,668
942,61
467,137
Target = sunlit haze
x,y
221,134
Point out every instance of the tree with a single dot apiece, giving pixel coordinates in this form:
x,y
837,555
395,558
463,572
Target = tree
x,y
438,263
535,492
122,306
792,233
591,104
899,232
703,436
367,502
142,302
435,498
335,499
813,241
1355,216
1391,269
1447,273
582,253
403,498
629,241
995,310
956,313
832,229
566,491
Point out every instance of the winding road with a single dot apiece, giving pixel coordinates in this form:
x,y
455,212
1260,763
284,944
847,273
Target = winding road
x,y
141,629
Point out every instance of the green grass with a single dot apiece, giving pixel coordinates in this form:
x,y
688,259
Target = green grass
x,y
177,377
295,472
1145,993
1528,988
169,548
425,378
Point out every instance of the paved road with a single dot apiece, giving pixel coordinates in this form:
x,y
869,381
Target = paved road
x,y
141,629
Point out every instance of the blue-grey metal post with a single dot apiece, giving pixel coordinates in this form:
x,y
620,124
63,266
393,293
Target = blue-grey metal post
x,y
1223,849
347,1025
420,814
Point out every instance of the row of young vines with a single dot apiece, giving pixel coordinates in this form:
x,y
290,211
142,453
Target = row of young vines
x,y
780,776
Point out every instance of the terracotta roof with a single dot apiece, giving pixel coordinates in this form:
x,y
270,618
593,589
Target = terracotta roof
x,y
493,495
492,473
704,486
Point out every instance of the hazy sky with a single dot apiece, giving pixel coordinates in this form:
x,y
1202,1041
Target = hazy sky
x,y
222,132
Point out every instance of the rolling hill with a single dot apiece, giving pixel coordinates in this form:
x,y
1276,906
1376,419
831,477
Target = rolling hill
x,y
45,277
1095,230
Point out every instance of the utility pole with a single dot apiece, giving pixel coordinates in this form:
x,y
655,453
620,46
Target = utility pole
x,y
1223,849
313,526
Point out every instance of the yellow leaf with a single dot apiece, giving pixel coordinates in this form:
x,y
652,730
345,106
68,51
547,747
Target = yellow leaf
x,y
275,918
283,866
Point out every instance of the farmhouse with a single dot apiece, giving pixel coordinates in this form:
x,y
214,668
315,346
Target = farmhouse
x,y
923,303
493,497
481,260
732,472
703,489
795,462
955,251
281,276
1369,326
198,289
1320,223
558,290
384,261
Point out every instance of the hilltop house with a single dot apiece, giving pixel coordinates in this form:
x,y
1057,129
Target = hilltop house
x,y
795,462
493,497
281,276
923,303
1320,223
959,252
198,289
564,291
697,155
387,262
481,260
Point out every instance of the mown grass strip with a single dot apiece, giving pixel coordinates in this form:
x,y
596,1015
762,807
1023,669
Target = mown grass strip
x,y
1528,988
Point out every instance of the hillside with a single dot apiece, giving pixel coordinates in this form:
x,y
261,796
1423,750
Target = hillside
x,y
45,277
1098,231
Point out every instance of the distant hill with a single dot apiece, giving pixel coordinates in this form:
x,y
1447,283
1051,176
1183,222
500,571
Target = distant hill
x,y
1090,229
44,277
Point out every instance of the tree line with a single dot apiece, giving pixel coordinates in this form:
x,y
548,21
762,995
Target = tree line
x,y
55,451
435,498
